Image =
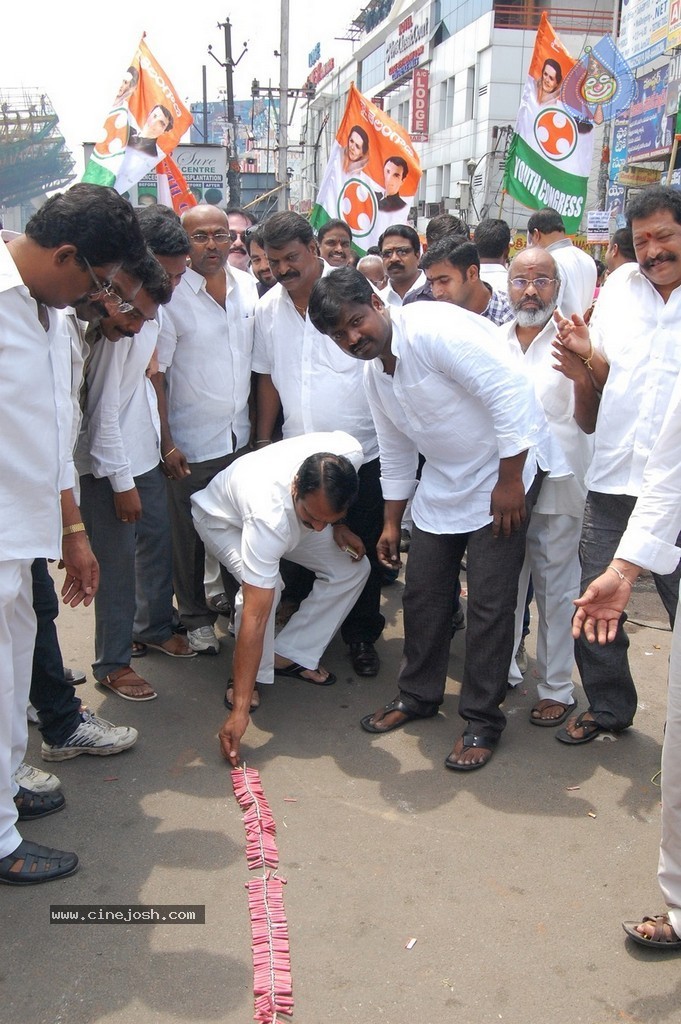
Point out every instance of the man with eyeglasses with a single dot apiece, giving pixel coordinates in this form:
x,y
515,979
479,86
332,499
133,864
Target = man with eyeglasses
x,y
439,383
75,238
239,221
400,248
301,372
564,387
546,230
204,353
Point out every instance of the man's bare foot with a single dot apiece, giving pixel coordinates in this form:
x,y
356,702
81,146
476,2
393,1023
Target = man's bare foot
x,y
320,676
550,712
471,752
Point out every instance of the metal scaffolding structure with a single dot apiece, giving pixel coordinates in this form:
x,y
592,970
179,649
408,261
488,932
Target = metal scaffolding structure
x,y
33,154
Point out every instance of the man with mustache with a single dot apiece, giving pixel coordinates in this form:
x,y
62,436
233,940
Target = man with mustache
x,y
239,222
632,349
565,389
546,230
400,248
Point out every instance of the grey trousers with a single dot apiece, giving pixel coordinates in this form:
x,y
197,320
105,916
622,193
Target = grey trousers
x,y
493,567
188,549
604,670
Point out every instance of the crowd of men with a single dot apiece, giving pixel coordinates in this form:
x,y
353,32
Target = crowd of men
x,y
224,416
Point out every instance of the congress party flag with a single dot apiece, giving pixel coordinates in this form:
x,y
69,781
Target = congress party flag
x,y
172,189
145,123
372,175
549,157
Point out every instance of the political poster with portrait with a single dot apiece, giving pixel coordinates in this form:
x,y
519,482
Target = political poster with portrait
x,y
372,175
144,125
549,157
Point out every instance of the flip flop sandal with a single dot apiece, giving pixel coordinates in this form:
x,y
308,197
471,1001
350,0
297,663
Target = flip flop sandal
x,y
138,650
41,864
591,731
549,723
230,706
657,940
164,650
295,671
396,705
469,740
122,679
37,805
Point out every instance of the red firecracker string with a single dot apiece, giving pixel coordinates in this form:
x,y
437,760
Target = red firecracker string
x,y
272,986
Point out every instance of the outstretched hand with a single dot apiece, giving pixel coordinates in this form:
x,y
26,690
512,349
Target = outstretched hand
x,y
600,608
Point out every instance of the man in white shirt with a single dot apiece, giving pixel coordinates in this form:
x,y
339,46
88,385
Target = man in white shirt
x,y
302,372
564,387
123,492
400,249
578,272
633,349
204,352
651,541
492,239
439,383
71,247
273,503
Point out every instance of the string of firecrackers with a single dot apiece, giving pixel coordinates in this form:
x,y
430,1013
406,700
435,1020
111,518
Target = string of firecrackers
x,y
272,985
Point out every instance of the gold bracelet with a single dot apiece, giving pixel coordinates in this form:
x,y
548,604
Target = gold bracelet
x,y
621,575
75,528
164,457
587,361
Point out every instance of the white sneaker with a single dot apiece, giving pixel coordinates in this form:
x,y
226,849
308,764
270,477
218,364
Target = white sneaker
x,y
93,736
203,640
35,780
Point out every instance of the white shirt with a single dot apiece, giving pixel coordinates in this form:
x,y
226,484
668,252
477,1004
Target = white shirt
x,y
319,385
120,435
571,449
392,298
578,277
30,518
639,336
650,537
496,275
254,495
457,397
205,351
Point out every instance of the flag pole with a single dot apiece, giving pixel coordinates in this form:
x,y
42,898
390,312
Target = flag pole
x,y
672,158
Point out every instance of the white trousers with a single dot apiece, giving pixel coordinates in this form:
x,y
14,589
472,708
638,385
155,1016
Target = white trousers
x,y
307,634
17,639
669,869
552,559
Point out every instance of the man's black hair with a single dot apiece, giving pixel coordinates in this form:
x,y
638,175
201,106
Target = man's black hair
x,y
154,279
331,294
163,231
242,213
333,475
400,162
461,255
402,231
625,243
282,228
333,225
444,225
546,221
653,200
492,237
257,235
96,219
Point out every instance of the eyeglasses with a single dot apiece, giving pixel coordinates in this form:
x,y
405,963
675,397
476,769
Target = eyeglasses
x,y
104,291
233,235
201,237
402,251
540,283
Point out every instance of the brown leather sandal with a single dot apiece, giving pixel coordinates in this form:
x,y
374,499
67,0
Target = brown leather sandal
x,y
126,679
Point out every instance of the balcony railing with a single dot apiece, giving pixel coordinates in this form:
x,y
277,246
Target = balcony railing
x,y
564,19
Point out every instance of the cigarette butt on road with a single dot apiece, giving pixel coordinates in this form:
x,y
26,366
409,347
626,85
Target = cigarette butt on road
x,y
410,944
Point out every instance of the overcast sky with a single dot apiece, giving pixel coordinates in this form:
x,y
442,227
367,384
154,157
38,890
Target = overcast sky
x,y
76,52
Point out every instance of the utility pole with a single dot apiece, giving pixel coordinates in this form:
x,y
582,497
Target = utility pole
x,y
233,167
283,201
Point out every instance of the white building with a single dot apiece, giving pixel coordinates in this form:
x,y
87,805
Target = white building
x,y
477,53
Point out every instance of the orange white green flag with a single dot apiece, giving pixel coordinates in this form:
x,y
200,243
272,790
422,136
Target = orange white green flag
x,y
372,175
549,157
145,123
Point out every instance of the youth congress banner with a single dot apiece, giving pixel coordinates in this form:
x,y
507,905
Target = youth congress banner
x,y
145,123
372,175
549,158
